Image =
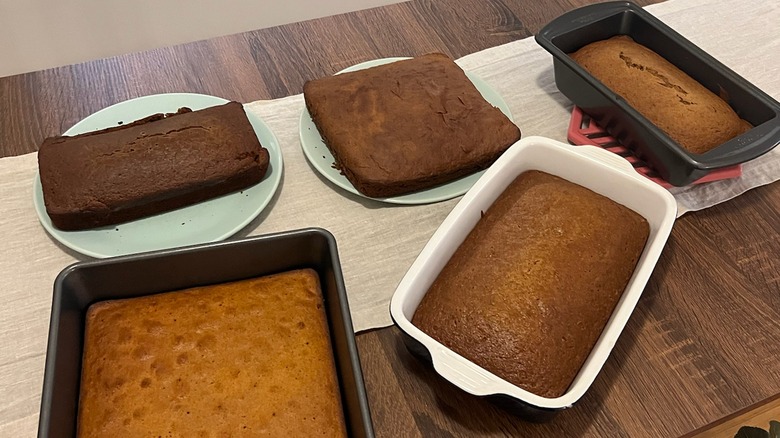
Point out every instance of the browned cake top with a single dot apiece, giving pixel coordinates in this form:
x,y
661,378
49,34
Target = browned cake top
x,y
244,359
154,158
407,125
685,110
529,291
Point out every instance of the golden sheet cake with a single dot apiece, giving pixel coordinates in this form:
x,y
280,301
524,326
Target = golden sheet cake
x,y
243,359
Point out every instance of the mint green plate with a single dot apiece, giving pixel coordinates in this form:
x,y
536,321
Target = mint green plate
x,y
322,160
208,221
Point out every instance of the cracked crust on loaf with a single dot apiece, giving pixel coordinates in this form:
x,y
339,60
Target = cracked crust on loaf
x,y
689,113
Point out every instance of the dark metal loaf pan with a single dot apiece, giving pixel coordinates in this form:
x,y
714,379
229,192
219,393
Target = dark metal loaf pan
x,y
82,284
588,24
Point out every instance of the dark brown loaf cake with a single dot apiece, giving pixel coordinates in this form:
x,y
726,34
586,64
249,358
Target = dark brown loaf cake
x,y
408,125
250,358
157,164
528,293
689,113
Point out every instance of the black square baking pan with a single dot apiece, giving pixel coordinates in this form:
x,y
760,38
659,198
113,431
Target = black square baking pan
x,y
575,29
82,284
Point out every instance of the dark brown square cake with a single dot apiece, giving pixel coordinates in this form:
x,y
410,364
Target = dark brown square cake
x,y
408,125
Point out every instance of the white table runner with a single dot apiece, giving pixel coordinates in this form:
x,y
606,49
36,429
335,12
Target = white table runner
x,y
377,242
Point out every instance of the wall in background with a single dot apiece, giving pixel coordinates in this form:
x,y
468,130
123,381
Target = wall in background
x,y
40,34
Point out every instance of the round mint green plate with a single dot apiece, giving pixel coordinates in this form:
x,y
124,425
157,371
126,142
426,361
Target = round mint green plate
x,y
208,221
322,160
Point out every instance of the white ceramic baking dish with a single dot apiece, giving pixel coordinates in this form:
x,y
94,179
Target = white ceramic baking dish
x,y
588,166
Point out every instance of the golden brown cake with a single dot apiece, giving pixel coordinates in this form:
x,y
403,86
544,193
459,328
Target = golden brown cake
x,y
245,359
689,113
153,165
528,293
408,125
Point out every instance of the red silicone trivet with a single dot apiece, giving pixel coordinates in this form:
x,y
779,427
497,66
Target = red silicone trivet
x,y
583,131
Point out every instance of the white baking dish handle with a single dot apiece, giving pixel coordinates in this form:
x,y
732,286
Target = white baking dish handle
x,y
465,374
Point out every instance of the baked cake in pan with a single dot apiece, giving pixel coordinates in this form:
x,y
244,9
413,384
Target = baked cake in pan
x,y
247,358
528,293
689,113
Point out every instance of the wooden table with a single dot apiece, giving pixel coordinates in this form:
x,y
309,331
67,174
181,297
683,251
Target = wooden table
x,y
700,345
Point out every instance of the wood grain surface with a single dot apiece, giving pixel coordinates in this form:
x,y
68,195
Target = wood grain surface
x,y
758,415
702,343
